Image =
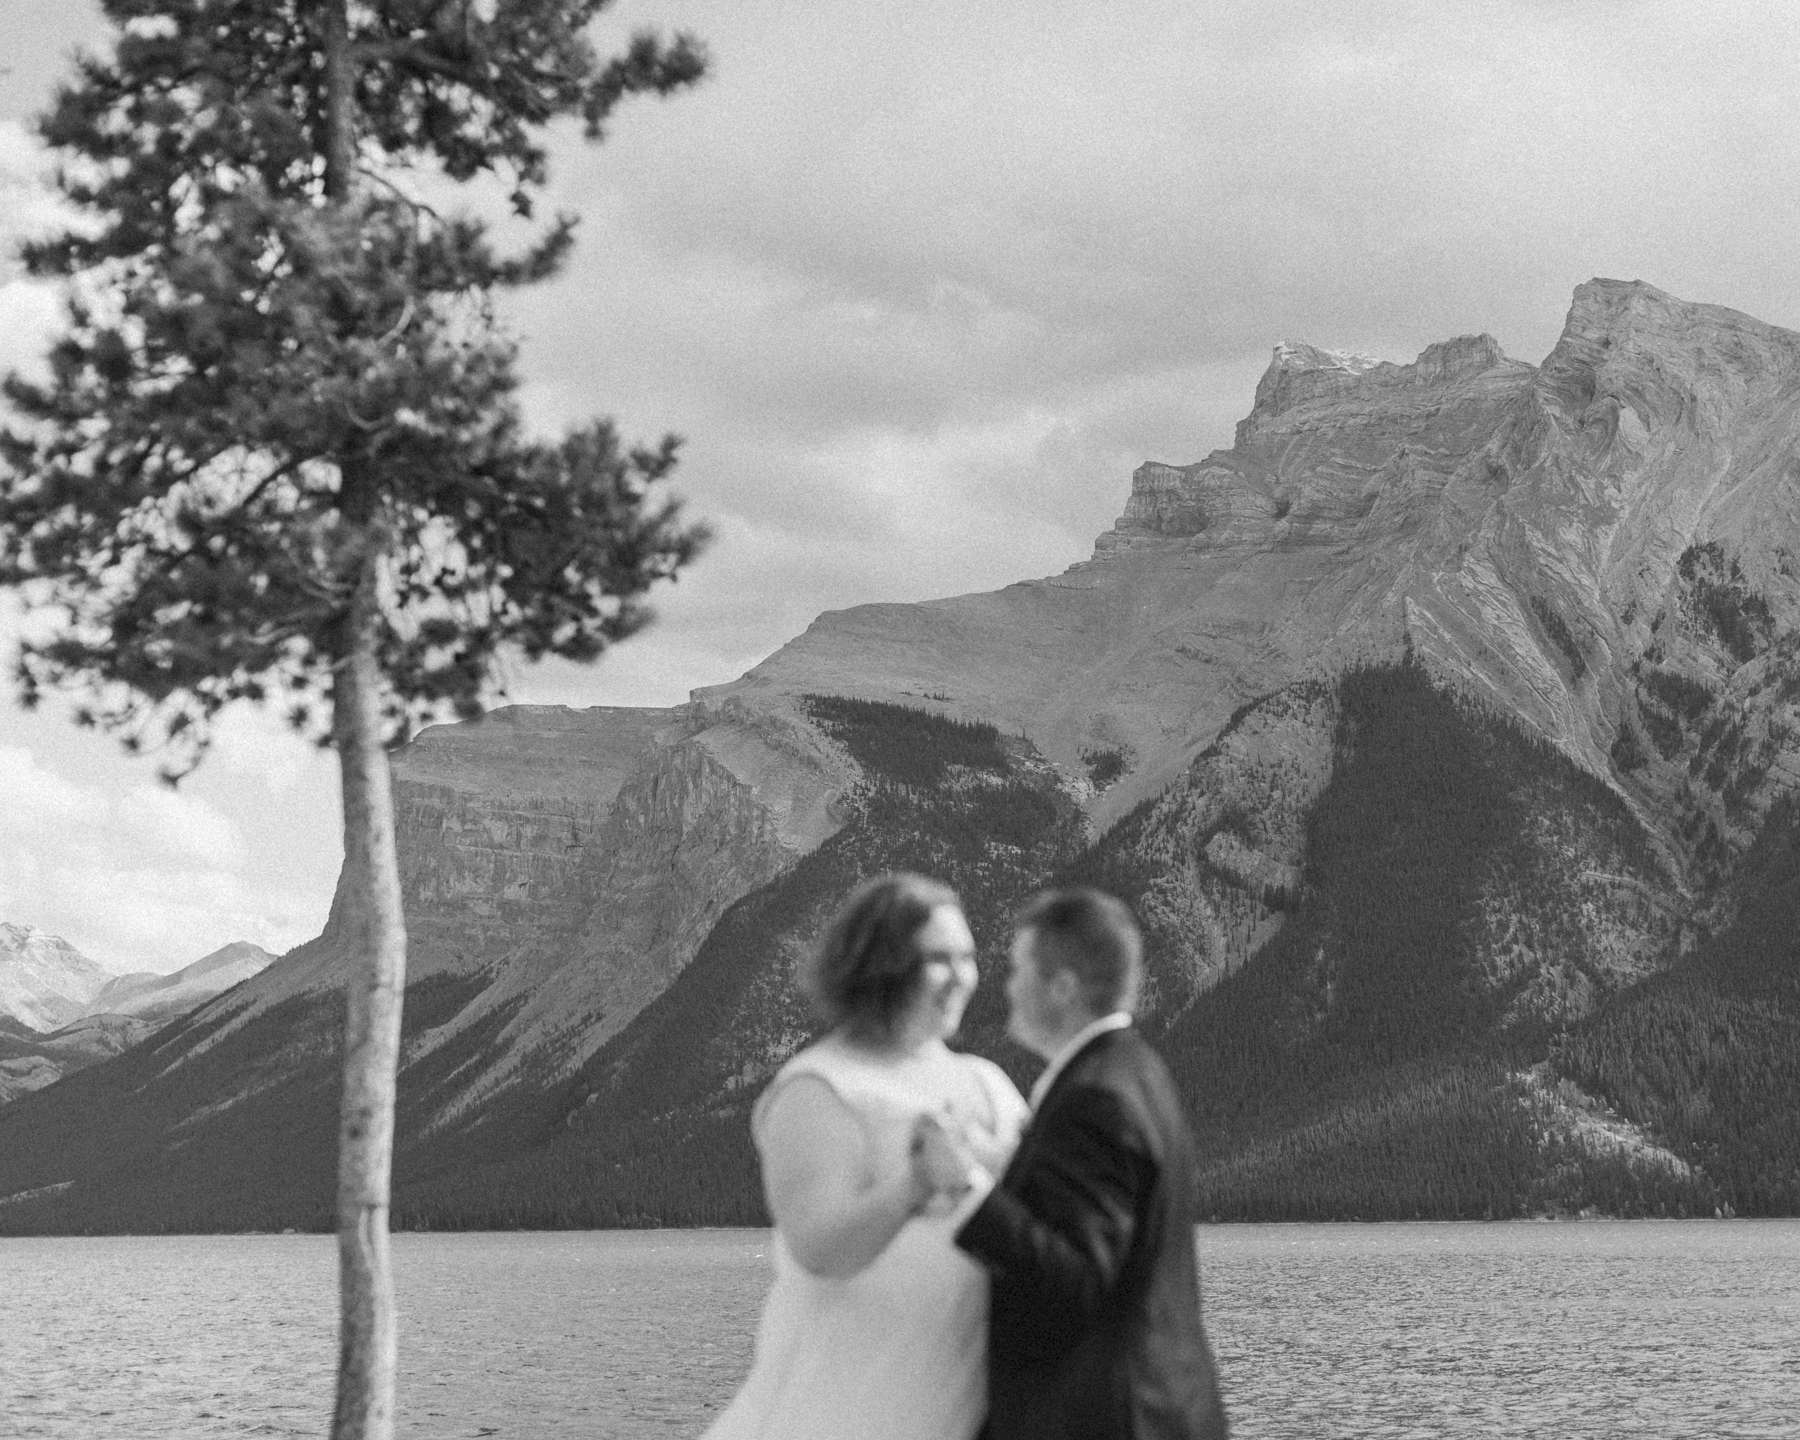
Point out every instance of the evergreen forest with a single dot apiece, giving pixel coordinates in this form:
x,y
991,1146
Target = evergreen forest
x,y
1394,1034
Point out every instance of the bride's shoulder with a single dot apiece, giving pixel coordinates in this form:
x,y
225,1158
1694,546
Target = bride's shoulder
x,y
827,1060
815,1068
827,1055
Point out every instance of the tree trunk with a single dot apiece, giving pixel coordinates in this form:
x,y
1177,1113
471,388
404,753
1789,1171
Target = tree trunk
x,y
376,932
373,924
340,119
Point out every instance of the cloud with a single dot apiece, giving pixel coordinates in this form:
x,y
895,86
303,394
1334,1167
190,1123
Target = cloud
x,y
94,848
156,821
32,206
29,316
1155,184
136,878
30,310
924,284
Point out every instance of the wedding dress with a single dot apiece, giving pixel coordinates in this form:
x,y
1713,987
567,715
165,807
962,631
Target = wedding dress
x,y
898,1350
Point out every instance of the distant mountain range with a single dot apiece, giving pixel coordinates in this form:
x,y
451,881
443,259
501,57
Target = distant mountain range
x,y
1444,731
60,1011
148,996
45,982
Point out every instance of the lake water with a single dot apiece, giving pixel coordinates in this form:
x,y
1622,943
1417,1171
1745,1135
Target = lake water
x,y
1594,1328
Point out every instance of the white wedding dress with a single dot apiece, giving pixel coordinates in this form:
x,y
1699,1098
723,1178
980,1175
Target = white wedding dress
x,y
897,1351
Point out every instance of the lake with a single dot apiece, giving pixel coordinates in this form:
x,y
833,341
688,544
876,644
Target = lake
x,y
1574,1329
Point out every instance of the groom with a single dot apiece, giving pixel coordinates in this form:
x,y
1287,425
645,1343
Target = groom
x,y
1094,1331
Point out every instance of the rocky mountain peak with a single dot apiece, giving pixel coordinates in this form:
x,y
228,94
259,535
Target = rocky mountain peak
x,y
1329,436
1299,371
151,996
1460,358
1295,355
239,953
45,982
1631,353
1301,379
1519,527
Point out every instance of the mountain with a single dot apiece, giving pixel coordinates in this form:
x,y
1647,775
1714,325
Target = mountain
x,y
1525,528
149,996
30,1061
45,982
60,1012
1443,730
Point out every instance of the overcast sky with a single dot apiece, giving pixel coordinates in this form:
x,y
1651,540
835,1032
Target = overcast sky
x,y
922,284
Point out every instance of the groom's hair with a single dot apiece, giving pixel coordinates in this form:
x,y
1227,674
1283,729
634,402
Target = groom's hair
x,y
1094,937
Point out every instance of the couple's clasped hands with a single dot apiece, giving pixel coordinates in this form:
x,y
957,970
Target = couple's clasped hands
x,y
949,1157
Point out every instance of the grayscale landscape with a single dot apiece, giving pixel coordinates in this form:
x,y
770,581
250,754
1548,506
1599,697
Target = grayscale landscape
x,y
1328,475
1524,637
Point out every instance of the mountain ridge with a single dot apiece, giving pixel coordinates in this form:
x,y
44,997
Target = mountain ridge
x,y
91,1014
1420,469
45,982
1597,552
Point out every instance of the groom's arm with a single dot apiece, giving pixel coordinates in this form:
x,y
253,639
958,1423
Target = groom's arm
x,y
1060,1228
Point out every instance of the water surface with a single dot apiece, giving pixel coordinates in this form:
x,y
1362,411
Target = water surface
x,y
1601,1329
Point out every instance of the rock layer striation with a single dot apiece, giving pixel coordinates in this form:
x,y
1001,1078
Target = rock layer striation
x,y
1600,549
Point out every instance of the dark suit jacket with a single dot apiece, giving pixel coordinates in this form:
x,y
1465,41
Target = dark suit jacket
x,y
1094,1332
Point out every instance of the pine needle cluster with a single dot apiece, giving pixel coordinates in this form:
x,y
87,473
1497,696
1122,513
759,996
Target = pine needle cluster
x,y
282,380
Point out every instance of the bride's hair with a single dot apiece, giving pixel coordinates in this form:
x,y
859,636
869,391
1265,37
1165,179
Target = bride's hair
x,y
866,965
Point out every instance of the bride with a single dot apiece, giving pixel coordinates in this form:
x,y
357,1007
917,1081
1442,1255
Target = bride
x,y
876,1325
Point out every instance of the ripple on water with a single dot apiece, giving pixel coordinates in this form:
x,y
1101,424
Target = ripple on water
x,y
1597,1329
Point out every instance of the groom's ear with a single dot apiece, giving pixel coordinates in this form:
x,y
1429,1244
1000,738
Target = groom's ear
x,y
1064,987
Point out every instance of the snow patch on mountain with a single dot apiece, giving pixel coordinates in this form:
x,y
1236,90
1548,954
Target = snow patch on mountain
x,y
45,982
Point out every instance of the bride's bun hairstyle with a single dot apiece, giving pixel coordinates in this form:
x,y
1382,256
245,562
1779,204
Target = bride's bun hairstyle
x,y
867,964
1092,935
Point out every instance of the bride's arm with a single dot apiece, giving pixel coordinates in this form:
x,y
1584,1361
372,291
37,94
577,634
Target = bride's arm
x,y
834,1213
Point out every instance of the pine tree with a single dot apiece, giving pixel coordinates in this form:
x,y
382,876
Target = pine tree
x,y
278,455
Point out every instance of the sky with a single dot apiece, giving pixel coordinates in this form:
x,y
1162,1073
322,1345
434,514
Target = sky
x,y
921,285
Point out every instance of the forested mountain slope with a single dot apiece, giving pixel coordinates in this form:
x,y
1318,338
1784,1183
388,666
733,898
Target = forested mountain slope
x,y
1444,731
1399,1043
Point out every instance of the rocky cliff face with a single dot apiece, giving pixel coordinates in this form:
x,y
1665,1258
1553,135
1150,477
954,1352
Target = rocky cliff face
x,y
580,891
1569,907
684,836
496,819
1596,555
559,867
1521,527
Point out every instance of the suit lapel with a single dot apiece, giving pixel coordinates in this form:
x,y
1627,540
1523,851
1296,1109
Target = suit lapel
x,y
1076,1062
